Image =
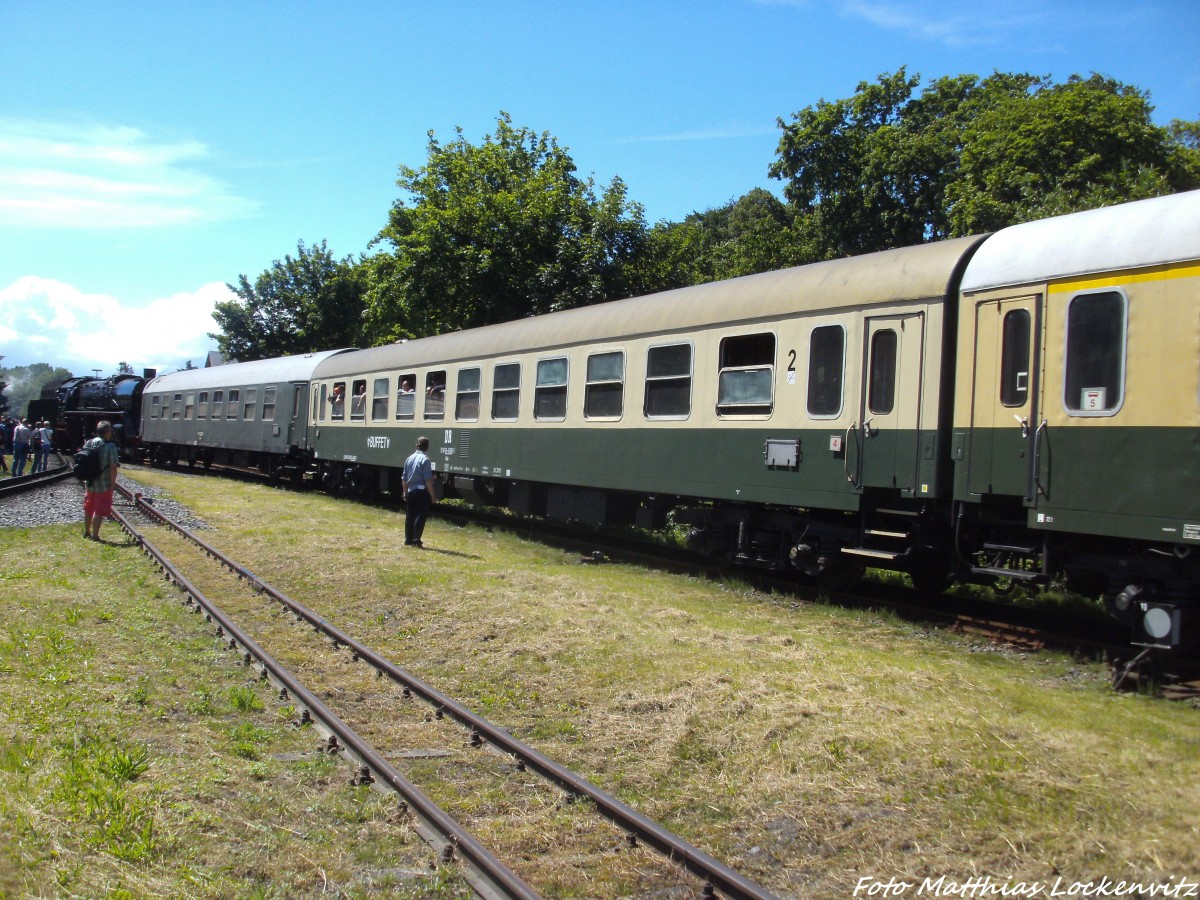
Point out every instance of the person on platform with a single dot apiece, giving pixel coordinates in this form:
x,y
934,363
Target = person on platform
x,y
98,493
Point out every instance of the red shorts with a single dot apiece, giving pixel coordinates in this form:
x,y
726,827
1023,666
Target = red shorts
x,y
98,503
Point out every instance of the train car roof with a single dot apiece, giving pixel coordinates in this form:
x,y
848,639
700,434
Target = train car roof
x,y
263,371
1130,235
927,271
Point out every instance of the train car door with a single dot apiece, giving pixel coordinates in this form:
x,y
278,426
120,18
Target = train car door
x,y
890,407
297,433
1004,407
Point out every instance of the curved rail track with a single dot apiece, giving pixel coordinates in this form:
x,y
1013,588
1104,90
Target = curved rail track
x,y
487,874
12,487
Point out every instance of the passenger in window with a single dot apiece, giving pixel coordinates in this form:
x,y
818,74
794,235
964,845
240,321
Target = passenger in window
x,y
338,399
406,387
417,486
358,403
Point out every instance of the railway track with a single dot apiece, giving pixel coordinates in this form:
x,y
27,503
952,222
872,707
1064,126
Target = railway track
x,y
449,839
14,487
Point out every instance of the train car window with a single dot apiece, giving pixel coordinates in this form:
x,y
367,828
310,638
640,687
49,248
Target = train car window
x,y
337,401
406,397
319,407
881,391
435,395
177,410
668,382
189,407
1014,358
604,393
202,406
379,400
218,407
268,410
466,401
506,392
249,404
747,378
231,411
358,400
1095,371
155,407
826,366
550,392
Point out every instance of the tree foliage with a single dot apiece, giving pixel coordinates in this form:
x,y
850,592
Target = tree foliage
x,y
888,168
497,231
20,384
301,304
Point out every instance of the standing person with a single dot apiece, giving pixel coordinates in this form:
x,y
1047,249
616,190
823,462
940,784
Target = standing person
x,y
418,493
3,444
22,435
43,440
98,493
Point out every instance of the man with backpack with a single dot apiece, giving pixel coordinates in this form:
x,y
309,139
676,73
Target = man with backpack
x,y
98,491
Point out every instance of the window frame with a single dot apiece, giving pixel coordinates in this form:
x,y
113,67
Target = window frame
x,y
249,404
602,388
559,391
746,410
270,401
233,405
434,407
462,398
499,393
380,413
812,374
411,394
690,378
1123,351
1014,395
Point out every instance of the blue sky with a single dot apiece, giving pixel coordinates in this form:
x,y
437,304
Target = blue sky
x,y
151,152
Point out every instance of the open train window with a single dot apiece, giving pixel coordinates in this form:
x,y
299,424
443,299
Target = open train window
x,y
249,404
337,401
826,366
202,406
177,409
155,407
745,385
218,407
189,407
268,410
550,392
466,401
231,411
406,397
1095,370
881,385
604,393
1014,358
358,399
506,392
435,395
379,400
668,382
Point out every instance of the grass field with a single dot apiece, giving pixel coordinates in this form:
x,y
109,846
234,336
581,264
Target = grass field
x,y
807,746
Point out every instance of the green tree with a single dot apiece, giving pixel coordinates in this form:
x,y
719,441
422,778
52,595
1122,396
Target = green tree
x,y
1079,145
25,383
498,231
301,304
888,168
748,235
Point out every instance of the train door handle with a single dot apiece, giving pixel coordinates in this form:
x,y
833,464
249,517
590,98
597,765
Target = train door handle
x,y
846,453
1024,423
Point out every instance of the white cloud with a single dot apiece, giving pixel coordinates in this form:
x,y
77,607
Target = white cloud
x,y
54,175
42,320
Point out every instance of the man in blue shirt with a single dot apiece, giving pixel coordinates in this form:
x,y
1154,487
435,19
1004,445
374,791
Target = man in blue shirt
x,y
418,493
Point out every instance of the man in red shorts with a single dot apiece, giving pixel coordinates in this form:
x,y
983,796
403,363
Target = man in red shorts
x,y
98,493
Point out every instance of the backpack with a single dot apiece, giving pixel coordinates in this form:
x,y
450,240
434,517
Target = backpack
x,y
87,462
